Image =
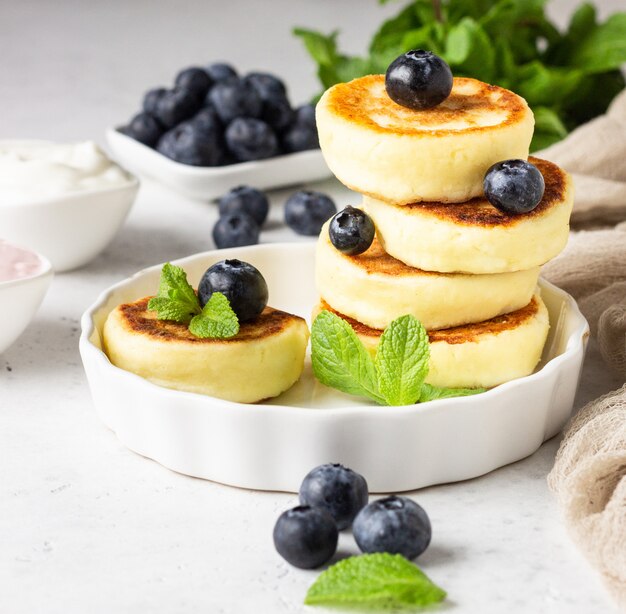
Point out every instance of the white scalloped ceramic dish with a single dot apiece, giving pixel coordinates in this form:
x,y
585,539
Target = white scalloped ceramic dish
x,y
210,182
271,446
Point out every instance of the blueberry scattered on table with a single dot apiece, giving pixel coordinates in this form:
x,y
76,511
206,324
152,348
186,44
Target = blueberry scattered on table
x,y
306,536
351,231
307,211
514,186
245,199
175,106
394,524
195,80
235,229
241,283
144,128
418,80
251,139
220,71
188,144
339,490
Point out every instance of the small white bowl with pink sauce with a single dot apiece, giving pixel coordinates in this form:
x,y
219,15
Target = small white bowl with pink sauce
x,y
25,277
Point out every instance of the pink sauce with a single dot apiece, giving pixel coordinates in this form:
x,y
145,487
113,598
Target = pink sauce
x,y
18,263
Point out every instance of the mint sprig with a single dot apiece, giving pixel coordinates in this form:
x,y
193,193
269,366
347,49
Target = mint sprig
x,y
217,319
381,581
176,300
394,377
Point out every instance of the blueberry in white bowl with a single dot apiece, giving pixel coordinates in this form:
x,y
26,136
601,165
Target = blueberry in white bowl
x,y
418,80
189,144
175,106
394,524
306,536
235,98
302,134
245,199
306,211
151,99
235,229
514,186
337,489
351,231
241,283
251,139
144,128
220,71
194,80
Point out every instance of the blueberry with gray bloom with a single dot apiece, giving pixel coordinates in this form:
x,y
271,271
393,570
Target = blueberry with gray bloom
x,y
151,99
236,98
251,139
394,524
306,536
144,128
244,199
514,186
307,211
351,231
194,80
266,85
235,230
219,71
337,489
175,106
188,144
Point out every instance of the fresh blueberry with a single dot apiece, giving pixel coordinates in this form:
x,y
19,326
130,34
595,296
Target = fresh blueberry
x,y
351,231
339,490
244,199
189,144
394,524
514,186
251,139
235,230
306,212
241,283
194,80
235,98
277,112
418,80
175,106
306,536
151,99
144,128
300,137
266,85
220,72
305,114
206,120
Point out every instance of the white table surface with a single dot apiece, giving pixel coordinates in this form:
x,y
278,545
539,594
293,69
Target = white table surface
x,y
88,526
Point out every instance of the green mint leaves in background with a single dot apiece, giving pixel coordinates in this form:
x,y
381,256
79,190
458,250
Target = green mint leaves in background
x,y
381,581
177,301
394,377
567,77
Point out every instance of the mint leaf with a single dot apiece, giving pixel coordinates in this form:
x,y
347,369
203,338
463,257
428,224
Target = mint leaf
x,y
402,361
432,393
176,299
339,358
604,48
217,320
378,580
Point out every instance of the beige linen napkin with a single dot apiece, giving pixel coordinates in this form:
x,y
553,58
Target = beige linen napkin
x,y
589,474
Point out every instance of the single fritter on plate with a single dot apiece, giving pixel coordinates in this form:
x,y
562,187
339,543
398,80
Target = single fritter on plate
x,y
479,355
475,237
399,155
264,359
375,288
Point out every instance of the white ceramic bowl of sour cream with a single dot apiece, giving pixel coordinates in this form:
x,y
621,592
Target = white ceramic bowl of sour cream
x,y
66,201
25,277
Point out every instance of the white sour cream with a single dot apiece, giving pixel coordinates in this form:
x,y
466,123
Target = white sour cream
x,y
34,170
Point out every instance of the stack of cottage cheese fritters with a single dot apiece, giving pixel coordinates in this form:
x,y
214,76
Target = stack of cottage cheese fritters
x,y
442,252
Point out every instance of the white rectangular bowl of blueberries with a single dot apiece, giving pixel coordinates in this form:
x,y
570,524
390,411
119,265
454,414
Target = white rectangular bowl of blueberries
x,y
215,129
